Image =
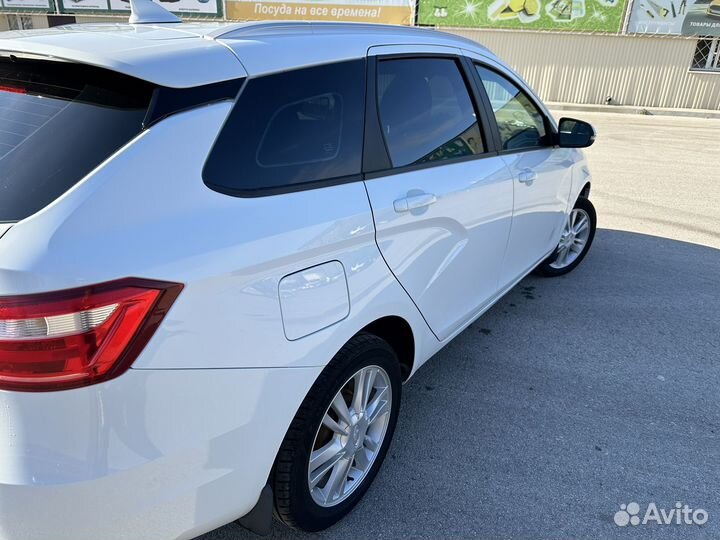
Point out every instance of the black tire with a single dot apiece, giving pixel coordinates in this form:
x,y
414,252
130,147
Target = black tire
x,y
546,269
294,504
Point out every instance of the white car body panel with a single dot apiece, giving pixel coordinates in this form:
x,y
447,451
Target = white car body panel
x,y
540,207
159,54
152,454
447,255
274,286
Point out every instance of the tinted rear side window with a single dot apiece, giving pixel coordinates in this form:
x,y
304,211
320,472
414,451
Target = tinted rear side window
x,y
426,111
292,129
58,121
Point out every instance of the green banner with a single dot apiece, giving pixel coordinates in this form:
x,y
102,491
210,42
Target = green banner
x,y
563,15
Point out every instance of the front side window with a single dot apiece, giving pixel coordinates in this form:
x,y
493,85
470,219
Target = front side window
x,y
58,122
521,124
426,112
291,129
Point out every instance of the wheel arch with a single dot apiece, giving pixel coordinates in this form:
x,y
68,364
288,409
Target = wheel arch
x,y
585,191
399,335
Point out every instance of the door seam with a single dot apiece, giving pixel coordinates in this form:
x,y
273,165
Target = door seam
x,y
512,221
382,255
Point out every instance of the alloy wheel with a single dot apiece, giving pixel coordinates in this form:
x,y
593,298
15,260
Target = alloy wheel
x,y
574,239
350,437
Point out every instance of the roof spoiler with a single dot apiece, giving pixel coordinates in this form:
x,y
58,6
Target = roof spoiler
x,y
148,12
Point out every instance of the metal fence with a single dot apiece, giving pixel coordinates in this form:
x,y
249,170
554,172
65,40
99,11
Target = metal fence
x,y
629,70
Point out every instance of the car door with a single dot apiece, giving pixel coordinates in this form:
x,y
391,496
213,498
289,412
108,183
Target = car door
x,y
441,195
542,172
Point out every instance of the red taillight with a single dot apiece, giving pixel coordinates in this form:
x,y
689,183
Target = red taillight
x,y
12,90
78,337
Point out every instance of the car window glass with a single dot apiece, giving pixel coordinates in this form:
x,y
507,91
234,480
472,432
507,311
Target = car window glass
x,y
292,128
426,111
315,124
519,121
58,122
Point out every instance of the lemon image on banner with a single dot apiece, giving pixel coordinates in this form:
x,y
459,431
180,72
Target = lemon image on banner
x,y
524,10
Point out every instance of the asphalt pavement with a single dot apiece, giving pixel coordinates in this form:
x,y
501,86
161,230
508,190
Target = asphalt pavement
x,y
575,395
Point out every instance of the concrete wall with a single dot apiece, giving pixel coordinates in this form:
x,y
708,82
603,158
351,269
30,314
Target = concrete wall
x,y
586,68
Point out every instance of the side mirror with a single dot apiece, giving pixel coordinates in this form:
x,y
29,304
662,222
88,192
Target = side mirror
x,y
575,133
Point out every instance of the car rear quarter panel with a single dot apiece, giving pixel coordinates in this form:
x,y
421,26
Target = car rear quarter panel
x,y
147,213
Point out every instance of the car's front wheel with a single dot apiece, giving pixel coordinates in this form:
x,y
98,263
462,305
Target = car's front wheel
x,y
340,435
575,241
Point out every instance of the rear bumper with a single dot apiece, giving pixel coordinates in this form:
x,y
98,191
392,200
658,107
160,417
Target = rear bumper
x,y
160,454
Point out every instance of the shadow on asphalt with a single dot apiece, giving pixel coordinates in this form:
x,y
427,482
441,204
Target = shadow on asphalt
x,y
569,397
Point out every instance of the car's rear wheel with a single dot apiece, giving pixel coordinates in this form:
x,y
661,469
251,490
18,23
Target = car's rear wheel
x,y
575,241
339,437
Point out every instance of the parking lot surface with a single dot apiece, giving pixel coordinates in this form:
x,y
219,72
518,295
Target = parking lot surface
x,y
575,395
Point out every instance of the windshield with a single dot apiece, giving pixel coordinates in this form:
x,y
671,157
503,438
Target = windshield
x,y
58,121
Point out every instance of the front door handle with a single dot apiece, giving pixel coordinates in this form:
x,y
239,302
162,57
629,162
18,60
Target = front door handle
x,y
413,202
527,177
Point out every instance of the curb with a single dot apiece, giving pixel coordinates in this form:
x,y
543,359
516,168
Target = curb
x,y
628,109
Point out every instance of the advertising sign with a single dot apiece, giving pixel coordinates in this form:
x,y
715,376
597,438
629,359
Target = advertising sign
x,y
189,7
374,11
20,5
73,6
570,15
676,17
206,7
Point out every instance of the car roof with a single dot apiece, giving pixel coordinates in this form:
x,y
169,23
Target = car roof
x,y
174,55
182,55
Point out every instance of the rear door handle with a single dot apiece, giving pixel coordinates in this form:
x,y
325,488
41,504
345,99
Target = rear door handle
x,y
413,202
527,177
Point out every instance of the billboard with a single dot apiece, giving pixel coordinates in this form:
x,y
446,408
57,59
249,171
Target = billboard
x,y
27,5
374,11
208,8
676,17
568,15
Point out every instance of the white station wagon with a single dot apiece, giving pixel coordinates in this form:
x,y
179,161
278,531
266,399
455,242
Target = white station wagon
x,y
224,248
